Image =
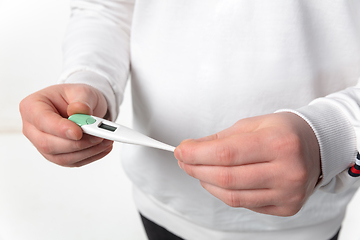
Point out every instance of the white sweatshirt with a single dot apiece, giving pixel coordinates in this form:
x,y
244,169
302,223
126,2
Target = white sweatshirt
x,y
197,67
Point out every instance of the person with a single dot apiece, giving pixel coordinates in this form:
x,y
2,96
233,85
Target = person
x,y
260,97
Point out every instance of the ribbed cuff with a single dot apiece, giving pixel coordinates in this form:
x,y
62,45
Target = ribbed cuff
x,y
99,82
335,134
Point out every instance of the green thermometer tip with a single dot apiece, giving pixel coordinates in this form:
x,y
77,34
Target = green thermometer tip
x,y
82,119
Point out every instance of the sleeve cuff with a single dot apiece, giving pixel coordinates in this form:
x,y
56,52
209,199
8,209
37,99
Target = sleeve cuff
x,y
335,135
99,82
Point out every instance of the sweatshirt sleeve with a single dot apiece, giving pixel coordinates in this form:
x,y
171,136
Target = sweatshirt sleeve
x,y
335,120
96,47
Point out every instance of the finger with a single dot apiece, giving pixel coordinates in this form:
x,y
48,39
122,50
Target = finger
x,y
79,107
245,125
276,210
52,145
69,159
49,108
222,134
255,198
86,100
93,158
39,111
246,148
251,176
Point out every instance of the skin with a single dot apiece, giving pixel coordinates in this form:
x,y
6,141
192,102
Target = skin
x,y
269,164
44,115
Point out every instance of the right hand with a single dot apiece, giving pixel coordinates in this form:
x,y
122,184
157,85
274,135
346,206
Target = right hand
x,y
61,141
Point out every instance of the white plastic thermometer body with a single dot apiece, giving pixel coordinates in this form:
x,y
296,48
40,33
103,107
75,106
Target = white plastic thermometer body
x,y
109,130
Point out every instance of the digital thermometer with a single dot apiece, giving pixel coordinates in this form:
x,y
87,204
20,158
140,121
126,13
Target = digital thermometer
x,y
109,130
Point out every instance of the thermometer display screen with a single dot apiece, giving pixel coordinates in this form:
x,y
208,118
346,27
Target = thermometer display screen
x,y
107,127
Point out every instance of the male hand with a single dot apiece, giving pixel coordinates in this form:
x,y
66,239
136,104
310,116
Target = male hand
x,y
269,164
58,139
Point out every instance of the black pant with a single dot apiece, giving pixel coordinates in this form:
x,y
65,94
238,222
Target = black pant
x,y
156,232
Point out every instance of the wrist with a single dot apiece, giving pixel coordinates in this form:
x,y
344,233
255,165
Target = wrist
x,y
335,135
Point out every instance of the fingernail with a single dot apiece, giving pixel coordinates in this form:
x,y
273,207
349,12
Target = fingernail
x,y
177,154
180,164
83,102
71,135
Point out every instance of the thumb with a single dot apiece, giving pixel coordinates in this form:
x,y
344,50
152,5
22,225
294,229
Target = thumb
x,y
79,106
86,100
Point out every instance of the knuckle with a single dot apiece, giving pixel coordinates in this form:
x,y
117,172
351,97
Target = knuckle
x,y
290,211
37,121
225,178
86,89
82,90
232,199
296,178
47,157
22,106
53,158
190,171
297,199
77,145
300,177
289,143
25,131
293,204
60,160
224,154
43,146
76,165
295,145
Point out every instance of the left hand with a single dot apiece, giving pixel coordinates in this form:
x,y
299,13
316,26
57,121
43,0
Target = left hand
x,y
269,164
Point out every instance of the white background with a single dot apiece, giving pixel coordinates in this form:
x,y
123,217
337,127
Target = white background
x,y
42,201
